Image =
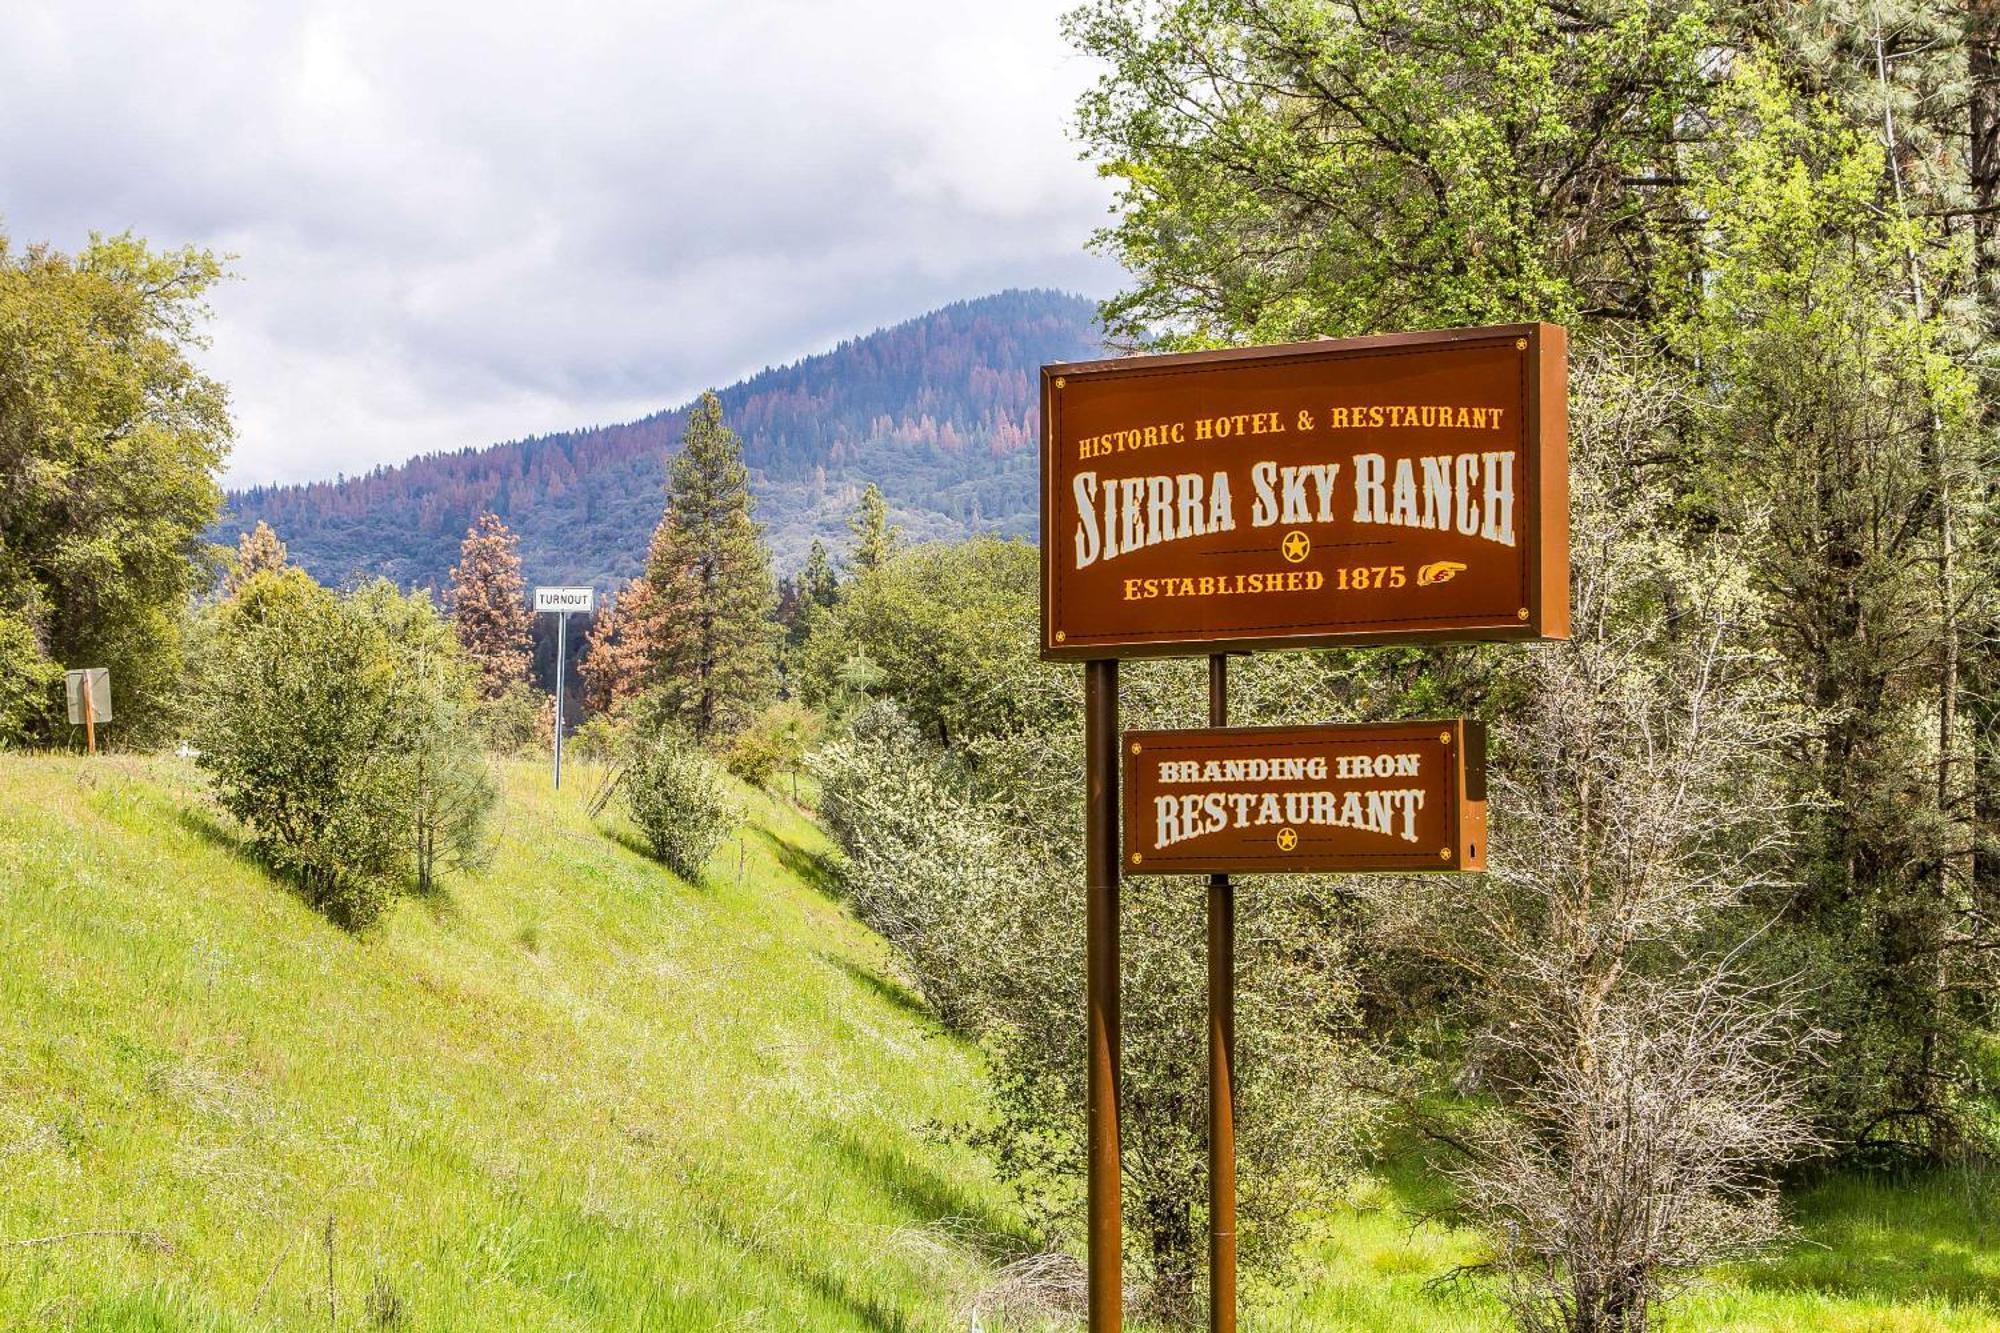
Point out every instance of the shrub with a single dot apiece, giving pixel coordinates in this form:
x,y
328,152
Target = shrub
x,y
27,677
602,740
446,793
773,744
676,798
968,862
299,733
510,723
337,731
601,747
948,632
753,757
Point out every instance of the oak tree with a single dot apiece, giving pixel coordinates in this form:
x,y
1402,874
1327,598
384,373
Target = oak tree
x,y
110,441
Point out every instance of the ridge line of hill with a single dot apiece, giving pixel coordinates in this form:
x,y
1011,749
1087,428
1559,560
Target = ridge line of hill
x,y
941,411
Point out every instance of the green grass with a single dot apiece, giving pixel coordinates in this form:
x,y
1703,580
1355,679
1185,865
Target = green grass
x,y
1871,1254
576,1093
579,1093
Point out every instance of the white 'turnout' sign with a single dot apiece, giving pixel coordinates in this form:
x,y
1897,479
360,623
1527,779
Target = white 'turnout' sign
x,y
564,599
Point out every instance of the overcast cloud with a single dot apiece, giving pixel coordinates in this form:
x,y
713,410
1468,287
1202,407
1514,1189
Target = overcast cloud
x,y
462,222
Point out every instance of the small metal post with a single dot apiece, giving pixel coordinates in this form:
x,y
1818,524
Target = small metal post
x,y
1101,874
89,715
1221,1061
562,645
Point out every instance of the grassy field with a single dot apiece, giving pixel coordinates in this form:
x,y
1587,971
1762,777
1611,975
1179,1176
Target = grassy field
x,y
576,1093
1871,1255
579,1093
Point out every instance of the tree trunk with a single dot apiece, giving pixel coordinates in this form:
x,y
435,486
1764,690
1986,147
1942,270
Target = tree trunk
x,y
1982,54
1171,1231
1982,666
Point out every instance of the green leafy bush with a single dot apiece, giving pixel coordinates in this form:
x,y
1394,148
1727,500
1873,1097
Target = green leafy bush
x,y
299,737
773,744
602,740
510,723
447,795
27,678
336,731
677,800
969,861
948,632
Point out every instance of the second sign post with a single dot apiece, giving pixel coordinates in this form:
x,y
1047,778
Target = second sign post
x,y
1346,493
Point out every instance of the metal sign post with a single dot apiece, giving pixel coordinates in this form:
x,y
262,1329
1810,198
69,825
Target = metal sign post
x,y
1221,1060
562,602
1106,1284
89,692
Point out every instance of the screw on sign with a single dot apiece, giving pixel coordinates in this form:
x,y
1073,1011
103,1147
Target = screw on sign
x,y
1409,488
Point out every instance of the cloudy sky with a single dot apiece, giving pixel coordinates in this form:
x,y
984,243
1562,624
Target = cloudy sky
x,y
460,222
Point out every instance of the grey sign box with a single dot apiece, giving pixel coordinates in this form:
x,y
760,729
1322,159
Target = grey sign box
x,y
99,683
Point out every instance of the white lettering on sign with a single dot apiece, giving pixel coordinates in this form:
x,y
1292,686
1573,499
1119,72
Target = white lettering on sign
x,y
1394,812
564,599
1471,494
1391,811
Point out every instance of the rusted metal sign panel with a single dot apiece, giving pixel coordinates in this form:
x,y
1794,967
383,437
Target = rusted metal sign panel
x,y
1400,796
1352,491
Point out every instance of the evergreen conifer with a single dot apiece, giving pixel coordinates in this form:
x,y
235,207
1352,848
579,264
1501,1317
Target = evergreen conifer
x,y
711,659
874,538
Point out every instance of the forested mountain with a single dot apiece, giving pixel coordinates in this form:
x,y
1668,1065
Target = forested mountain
x,y
939,411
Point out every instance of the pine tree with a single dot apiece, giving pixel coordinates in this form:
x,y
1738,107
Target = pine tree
x,y
817,583
256,552
710,577
791,605
805,596
489,606
874,539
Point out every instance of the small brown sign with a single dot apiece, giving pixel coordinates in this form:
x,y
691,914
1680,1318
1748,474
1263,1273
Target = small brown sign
x,y
1412,486
1397,796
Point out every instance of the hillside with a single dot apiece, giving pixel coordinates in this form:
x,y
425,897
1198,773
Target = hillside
x,y
940,411
579,1093
575,1094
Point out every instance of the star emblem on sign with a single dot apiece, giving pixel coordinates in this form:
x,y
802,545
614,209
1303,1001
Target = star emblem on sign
x,y
1288,839
1296,546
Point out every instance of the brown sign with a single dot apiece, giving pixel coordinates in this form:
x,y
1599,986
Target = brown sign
x,y
1362,490
1306,800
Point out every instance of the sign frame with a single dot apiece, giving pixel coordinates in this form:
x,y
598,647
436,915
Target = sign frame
x,y
1462,785
1542,501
